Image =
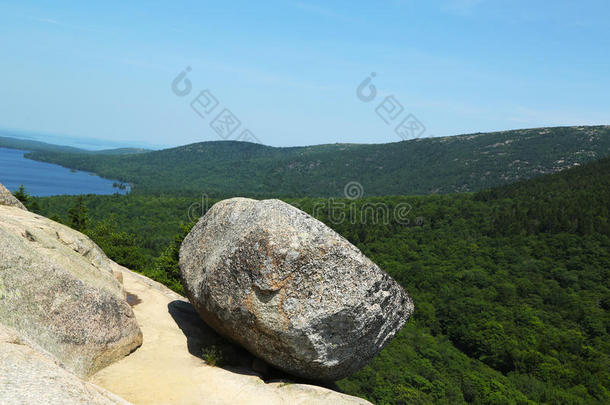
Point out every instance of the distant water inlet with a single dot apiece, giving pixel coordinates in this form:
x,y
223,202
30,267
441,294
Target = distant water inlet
x,y
44,179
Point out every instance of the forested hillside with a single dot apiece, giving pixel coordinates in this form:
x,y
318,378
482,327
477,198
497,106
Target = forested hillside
x,y
423,166
511,285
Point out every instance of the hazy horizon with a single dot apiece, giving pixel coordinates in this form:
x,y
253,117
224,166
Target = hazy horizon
x,y
95,144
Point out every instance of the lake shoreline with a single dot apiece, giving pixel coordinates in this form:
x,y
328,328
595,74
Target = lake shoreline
x,y
42,179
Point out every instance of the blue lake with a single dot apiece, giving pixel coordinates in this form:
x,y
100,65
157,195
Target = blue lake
x,y
44,179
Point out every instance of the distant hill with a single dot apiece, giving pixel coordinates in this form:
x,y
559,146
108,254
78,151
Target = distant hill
x,y
38,146
26,144
423,166
121,151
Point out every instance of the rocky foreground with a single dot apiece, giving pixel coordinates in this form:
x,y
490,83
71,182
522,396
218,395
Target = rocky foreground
x,y
59,290
164,371
68,334
28,375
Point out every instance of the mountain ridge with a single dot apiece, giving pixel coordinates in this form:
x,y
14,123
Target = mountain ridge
x,y
39,146
462,163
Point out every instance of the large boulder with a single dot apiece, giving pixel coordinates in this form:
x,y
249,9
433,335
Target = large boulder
x,y
289,289
59,290
6,198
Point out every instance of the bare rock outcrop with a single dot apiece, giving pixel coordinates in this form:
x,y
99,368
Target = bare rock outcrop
x,y
289,289
59,290
6,198
29,376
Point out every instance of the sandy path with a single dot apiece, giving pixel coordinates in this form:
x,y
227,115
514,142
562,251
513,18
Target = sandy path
x,y
162,371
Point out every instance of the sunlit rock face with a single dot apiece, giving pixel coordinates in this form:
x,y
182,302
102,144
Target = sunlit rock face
x,y
290,289
59,290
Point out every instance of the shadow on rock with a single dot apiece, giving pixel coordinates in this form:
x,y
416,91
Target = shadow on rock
x,y
205,343
216,350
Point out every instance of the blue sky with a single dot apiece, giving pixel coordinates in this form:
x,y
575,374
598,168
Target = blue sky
x,y
288,70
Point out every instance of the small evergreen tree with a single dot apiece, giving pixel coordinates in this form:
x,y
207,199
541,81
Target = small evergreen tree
x,y
26,199
22,195
79,218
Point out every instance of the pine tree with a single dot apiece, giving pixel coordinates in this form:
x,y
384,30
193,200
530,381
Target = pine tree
x,y
22,195
79,218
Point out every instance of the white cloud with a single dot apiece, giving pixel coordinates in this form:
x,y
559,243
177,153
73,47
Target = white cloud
x,y
45,20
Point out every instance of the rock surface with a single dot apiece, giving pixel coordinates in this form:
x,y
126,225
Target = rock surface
x,y
6,198
28,376
58,289
167,369
289,289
